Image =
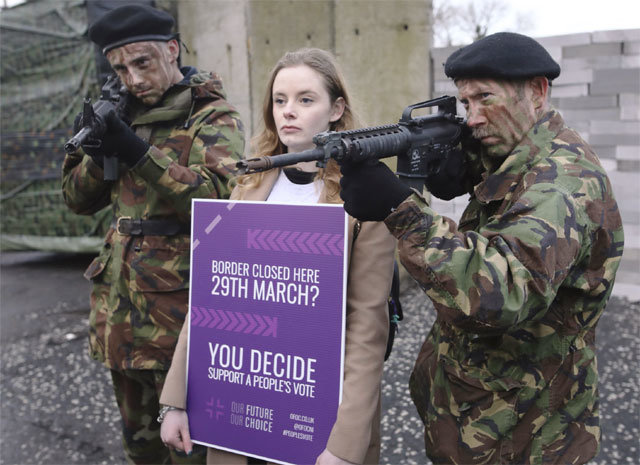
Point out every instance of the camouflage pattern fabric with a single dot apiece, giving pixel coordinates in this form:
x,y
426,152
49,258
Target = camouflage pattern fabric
x,y
34,215
140,293
137,393
48,65
37,209
508,372
48,68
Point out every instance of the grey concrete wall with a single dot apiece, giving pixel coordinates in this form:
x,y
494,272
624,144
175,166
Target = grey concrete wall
x,y
215,33
598,94
382,46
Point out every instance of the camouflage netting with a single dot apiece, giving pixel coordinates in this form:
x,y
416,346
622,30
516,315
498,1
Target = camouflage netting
x,y
47,67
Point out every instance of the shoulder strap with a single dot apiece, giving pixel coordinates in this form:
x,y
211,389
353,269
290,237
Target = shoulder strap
x,y
356,230
395,309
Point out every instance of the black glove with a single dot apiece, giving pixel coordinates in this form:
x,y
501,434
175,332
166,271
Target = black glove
x,y
122,141
454,174
96,153
447,177
371,191
118,139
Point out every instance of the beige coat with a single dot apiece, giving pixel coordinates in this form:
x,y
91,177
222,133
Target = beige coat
x,y
355,436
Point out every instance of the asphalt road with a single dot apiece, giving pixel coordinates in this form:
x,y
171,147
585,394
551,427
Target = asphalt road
x,y
57,407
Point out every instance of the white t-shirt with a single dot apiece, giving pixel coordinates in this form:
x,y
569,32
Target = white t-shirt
x,y
285,191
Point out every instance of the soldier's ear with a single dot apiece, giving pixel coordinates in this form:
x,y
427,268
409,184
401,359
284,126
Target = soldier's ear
x,y
539,90
173,47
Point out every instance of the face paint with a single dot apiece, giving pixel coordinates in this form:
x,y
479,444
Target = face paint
x,y
147,69
499,113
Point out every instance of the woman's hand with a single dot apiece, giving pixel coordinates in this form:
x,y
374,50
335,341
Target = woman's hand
x,y
327,458
174,431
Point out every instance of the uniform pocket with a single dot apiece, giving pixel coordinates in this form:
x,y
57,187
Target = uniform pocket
x,y
95,270
421,378
159,282
100,299
478,408
161,264
480,398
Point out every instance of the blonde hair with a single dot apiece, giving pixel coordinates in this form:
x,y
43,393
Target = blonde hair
x,y
267,142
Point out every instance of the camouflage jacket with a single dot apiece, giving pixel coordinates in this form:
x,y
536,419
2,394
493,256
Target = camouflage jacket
x,y
140,283
508,372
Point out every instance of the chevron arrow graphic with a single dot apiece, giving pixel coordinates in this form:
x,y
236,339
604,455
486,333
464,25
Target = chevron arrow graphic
x,y
282,242
251,238
272,326
242,322
252,323
195,316
261,239
261,324
333,246
213,315
271,240
301,242
239,322
312,243
225,320
232,319
291,241
322,244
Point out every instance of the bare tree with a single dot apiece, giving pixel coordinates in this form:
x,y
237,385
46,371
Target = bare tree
x,y
464,23
478,17
444,20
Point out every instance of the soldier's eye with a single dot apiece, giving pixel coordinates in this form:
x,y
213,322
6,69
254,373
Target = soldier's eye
x,y
142,63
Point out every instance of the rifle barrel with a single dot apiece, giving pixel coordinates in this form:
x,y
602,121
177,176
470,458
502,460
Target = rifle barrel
x,y
76,141
255,165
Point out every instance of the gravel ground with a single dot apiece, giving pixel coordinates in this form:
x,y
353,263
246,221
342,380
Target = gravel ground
x,y
56,405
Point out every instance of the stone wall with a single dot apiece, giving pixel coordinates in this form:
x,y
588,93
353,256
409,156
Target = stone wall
x,y
382,46
598,94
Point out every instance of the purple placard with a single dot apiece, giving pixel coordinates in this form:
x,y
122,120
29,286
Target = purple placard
x,y
266,333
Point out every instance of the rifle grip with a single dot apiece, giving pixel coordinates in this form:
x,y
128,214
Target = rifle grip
x,y
110,168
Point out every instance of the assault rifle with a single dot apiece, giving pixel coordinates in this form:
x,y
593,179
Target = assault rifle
x,y
420,143
93,124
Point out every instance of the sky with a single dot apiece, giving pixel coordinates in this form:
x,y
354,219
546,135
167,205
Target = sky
x,y
571,16
556,17
559,17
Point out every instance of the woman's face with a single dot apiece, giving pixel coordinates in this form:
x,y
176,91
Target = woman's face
x,y
302,107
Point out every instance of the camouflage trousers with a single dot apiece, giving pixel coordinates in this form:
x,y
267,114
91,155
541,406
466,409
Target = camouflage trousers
x,y
137,394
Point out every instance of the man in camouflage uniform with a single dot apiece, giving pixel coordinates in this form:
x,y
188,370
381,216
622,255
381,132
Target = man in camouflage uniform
x,y
508,371
182,138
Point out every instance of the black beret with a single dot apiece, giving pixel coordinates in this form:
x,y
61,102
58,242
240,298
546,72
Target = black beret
x,y
504,55
131,23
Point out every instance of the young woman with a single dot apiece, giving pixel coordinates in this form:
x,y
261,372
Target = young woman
x,y
306,95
